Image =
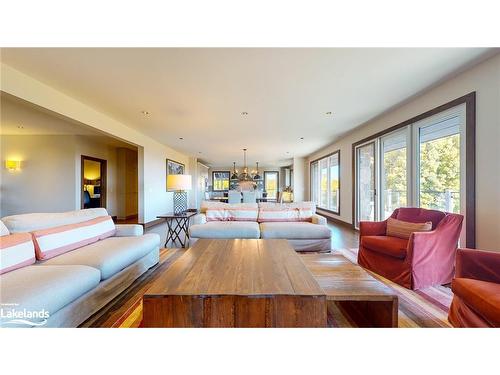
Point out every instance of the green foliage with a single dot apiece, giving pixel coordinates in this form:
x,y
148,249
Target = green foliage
x,y
439,173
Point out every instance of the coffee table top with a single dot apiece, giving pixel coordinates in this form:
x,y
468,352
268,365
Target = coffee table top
x,y
343,280
237,267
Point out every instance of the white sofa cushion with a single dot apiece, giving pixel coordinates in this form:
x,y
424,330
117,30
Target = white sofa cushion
x,y
40,287
294,231
38,221
61,239
110,255
225,229
127,230
16,251
286,212
4,231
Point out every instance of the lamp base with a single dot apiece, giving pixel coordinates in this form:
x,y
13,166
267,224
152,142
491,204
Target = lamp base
x,y
180,202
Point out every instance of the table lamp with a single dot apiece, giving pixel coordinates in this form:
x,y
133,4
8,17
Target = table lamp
x,y
179,183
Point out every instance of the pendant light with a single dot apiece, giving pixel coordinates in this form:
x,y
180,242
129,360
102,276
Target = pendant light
x,y
244,176
257,177
234,176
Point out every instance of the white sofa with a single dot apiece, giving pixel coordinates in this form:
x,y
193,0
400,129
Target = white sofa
x,y
303,236
75,285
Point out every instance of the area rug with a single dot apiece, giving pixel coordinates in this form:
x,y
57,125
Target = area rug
x,y
423,308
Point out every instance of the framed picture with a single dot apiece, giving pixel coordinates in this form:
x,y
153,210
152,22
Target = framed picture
x,y
174,167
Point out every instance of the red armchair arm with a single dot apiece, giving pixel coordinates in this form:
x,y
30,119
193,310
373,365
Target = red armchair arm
x,y
432,254
478,264
372,228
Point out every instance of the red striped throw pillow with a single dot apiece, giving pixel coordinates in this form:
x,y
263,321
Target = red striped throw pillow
x,y
232,212
279,212
403,229
16,251
58,240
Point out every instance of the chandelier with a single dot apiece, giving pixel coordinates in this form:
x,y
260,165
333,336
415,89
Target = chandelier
x,y
245,176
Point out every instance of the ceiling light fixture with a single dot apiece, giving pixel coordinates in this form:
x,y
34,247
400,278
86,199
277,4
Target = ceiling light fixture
x,y
181,138
20,127
145,113
301,138
244,113
328,113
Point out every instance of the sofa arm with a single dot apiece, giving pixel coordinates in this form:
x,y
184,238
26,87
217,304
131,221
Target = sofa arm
x,y
128,230
318,219
199,219
478,264
372,228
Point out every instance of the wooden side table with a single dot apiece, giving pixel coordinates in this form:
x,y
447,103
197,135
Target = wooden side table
x,y
177,227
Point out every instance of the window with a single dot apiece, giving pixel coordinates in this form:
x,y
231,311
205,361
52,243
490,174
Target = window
x,y
325,182
420,164
220,180
271,182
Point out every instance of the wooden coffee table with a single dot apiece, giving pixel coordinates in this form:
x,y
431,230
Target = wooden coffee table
x,y
236,283
363,299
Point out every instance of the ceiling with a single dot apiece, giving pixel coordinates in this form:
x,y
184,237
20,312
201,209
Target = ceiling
x,y
18,117
199,94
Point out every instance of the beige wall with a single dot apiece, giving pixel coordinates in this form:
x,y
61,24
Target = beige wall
x,y
46,181
50,176
485,80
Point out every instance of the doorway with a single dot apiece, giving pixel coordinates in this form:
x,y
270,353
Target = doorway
x,y
93,182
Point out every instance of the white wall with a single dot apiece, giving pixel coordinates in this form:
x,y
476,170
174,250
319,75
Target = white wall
x,y
153,197
485,80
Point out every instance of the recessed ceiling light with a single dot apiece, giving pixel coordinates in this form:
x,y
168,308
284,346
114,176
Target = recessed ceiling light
x,y
181,138
20,127
244,113
301,138
145,113
328,113
287,152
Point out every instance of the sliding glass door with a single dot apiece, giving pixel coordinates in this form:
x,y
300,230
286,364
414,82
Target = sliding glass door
x,y
419,165
394,169
439,164
366,187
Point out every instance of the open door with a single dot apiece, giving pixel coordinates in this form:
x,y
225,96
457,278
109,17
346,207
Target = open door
x,y
93,182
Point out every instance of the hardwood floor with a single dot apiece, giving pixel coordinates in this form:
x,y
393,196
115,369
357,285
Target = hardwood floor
x,y
343,236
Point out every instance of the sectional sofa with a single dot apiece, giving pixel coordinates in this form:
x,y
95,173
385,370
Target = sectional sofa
x,y
58,269
296,222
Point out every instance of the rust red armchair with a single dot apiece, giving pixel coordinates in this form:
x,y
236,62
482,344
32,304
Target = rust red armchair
x,y
425,259
476,288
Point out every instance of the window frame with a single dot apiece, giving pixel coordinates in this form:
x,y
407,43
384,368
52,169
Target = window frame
x,y
328,169
277,182
469,131
228,179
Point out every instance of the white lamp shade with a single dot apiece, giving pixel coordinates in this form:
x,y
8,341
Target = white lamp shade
x,y
176,182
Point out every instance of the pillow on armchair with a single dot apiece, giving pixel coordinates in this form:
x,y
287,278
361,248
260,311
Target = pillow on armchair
x,y
403,229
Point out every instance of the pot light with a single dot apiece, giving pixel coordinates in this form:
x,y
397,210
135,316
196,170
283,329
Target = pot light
x,y
301,138
329,113
20,127
145,113
244,113
181,138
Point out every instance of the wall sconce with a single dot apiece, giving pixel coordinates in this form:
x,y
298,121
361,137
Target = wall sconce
x,y
13,165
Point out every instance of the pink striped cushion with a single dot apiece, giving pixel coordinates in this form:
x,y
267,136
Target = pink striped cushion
x,y
232,212
58,240
16,251
403,229
276,212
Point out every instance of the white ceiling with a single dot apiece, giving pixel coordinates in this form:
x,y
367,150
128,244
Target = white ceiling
x,y
199,93
18,117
